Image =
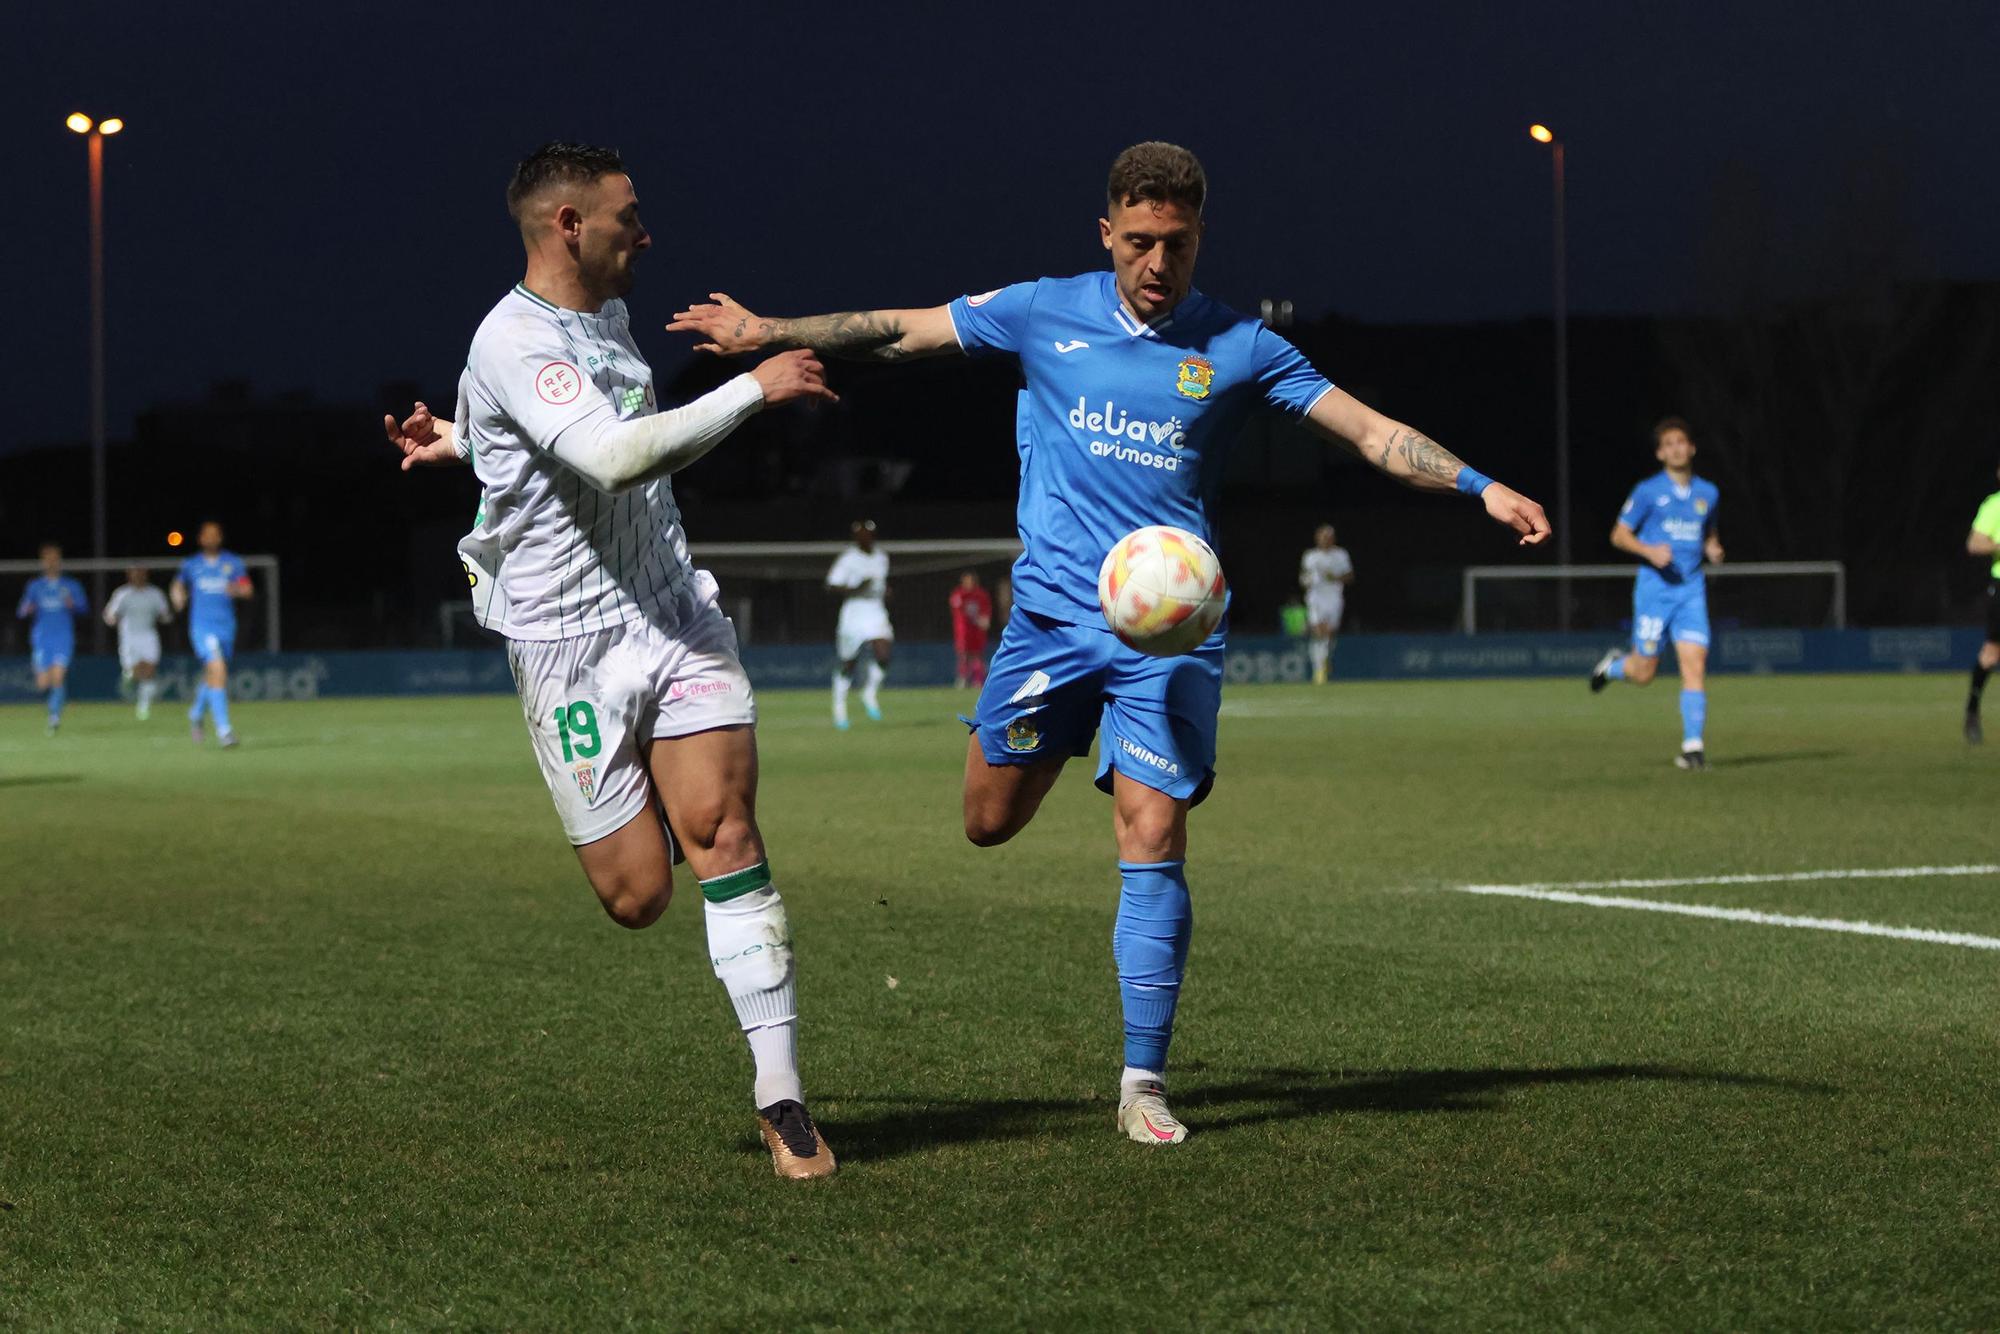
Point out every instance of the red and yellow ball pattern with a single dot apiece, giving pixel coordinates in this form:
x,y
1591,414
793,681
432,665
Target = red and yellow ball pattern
x,y
1162,590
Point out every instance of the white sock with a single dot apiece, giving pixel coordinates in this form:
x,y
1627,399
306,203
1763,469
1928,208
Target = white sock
x,y
1134,1075
840,684
871,680
750,945
146,694
1317,649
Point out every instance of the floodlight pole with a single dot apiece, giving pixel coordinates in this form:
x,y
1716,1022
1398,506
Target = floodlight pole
x,y
1562,393
99,520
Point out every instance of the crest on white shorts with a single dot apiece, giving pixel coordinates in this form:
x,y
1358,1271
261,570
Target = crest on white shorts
x,y
585,774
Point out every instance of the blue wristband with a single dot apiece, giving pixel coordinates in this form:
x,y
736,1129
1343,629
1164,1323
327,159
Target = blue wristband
x,y
1471,481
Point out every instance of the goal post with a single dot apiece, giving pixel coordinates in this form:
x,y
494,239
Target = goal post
x,y
1815,592
263,570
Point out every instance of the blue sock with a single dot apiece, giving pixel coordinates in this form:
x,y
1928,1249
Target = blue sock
x,y
57,694
200,703
1150,944
218,707
1694,715
1617,669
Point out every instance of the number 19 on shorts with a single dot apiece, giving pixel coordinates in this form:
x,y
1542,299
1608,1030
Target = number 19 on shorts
x,y
576,724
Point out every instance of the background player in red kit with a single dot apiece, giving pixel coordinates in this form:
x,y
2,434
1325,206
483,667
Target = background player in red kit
x,y
971,617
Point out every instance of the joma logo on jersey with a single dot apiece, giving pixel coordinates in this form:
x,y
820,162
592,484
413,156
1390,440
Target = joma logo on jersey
x,y
1144,756
1195,376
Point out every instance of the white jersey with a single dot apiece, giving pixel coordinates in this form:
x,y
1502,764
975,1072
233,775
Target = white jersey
x,y
866,572
138,610
1320,570
549,555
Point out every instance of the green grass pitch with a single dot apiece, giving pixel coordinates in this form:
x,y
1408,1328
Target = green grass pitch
x,y
329,1032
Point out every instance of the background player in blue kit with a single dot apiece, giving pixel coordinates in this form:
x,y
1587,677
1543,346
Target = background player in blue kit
x,y
1136,385
1669,523
54,600
207,587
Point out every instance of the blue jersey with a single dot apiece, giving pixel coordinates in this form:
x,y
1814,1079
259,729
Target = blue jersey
x,y
208,580
1660,510
1121,424
53,603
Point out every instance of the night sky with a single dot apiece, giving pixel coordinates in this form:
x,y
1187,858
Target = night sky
x,y
310,196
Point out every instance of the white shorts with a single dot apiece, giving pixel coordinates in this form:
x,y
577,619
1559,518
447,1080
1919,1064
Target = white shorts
x,y
135,649
594,702
861,620
1324,608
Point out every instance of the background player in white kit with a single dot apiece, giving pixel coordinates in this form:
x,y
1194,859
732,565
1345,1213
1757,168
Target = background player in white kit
x,y
863,638
1325,571
627,669
138,610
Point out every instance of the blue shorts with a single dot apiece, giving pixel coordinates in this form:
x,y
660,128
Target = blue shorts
x,y
212,642
49,656
1669,611
1053,685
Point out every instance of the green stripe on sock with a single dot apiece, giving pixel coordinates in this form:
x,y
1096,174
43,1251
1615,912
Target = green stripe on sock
x,y
737,883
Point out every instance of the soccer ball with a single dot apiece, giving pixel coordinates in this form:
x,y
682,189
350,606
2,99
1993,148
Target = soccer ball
x,y
1162,590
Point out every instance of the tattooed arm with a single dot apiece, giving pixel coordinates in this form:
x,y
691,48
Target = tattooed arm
x,y
1413,458
859,335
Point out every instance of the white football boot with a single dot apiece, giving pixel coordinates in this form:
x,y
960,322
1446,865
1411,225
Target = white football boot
x,y
1143,1115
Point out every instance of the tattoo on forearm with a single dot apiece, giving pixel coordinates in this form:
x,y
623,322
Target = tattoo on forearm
x,y
1422,456
861,334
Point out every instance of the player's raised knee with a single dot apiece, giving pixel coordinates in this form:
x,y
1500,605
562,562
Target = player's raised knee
x,y
1641,670
636,902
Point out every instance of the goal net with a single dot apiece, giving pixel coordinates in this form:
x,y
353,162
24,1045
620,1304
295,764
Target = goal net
x,y
776,591
258,621
1791,595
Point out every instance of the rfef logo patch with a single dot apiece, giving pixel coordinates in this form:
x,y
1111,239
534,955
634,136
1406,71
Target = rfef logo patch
x,y
558,383
1195,376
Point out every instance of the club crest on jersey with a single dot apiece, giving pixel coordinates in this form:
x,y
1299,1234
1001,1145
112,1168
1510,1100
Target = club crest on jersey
x,y
1023,735
1701,507
585,774
1195,376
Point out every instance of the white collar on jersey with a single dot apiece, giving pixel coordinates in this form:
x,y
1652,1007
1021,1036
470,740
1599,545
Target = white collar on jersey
x,y
1130,323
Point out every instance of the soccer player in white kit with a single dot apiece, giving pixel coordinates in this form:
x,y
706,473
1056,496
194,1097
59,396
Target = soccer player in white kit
x,y
1325,571
641,716
138,610
861,575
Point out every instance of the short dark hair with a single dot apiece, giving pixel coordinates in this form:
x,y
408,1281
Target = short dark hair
x,y
1157,172
1665,424
49,546
559,163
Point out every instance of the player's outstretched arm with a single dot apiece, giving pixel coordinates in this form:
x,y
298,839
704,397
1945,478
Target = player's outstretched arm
x,y
858,335
1413,458
177,593
422,438
1976,544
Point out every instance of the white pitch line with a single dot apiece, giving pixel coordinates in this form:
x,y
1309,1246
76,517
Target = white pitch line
x,y
1742,914
1852,873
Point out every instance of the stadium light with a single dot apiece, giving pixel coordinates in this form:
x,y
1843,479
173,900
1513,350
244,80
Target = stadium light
x,y
1542,134
174,539
99,524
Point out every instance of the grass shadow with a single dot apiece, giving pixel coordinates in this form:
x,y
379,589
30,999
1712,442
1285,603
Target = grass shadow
x,y
37,780
909,1125
1777,757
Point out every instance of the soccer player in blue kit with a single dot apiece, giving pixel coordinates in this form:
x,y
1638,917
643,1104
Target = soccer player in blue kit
x,y
211,583
54,600
1136,384
1669,523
